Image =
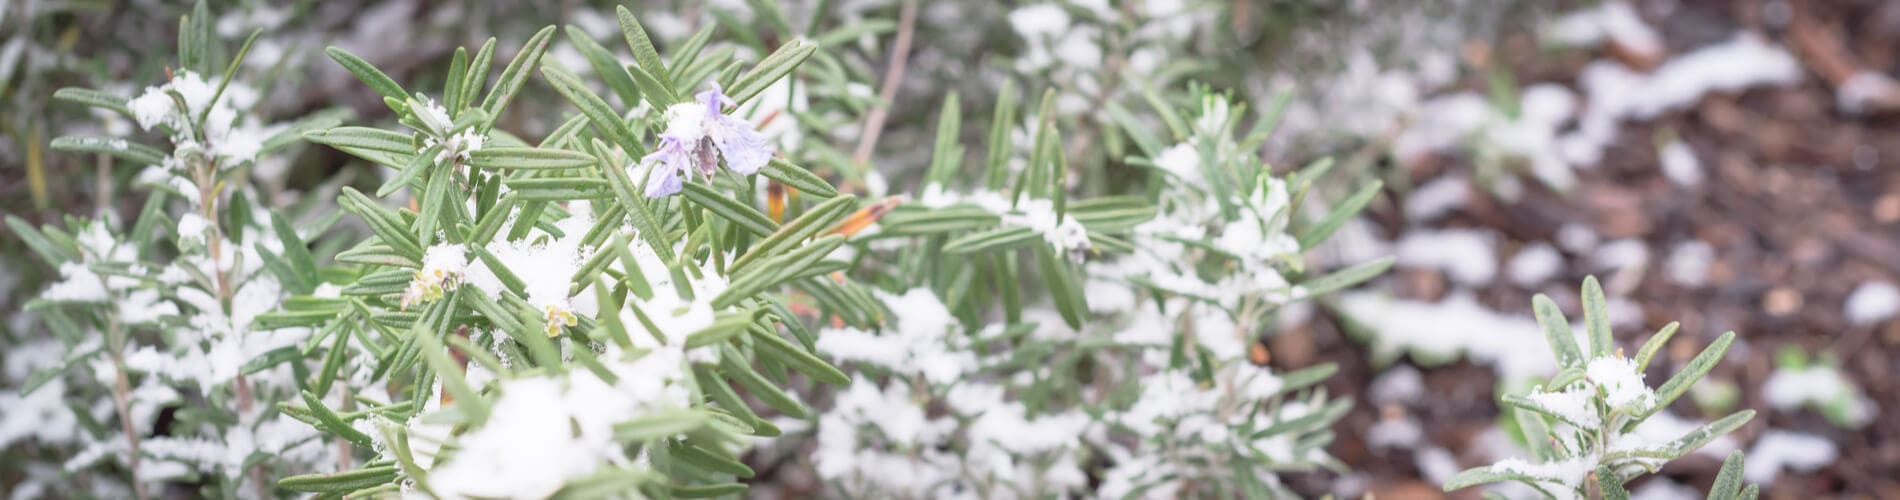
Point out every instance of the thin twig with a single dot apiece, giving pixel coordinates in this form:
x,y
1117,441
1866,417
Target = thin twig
x,y
887,95
121,397
205,173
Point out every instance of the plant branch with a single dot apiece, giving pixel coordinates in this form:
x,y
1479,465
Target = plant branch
x,y
887,94
122,399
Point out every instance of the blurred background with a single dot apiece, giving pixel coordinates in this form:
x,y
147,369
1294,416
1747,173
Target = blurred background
x,y
1730,165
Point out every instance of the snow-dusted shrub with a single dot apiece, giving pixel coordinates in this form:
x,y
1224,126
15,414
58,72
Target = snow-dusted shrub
x,y
1036,341
625,305
1091,47
569,317
160,366
1586,426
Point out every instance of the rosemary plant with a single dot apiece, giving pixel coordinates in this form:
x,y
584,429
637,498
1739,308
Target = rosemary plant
x,y
1593,412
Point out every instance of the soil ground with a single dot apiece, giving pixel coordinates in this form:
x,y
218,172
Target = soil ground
x,y
1801,203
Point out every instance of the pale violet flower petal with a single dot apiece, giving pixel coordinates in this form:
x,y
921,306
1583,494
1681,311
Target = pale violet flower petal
x,y
745,149
662,180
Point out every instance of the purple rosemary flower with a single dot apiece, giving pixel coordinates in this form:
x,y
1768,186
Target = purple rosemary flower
x,y
696,136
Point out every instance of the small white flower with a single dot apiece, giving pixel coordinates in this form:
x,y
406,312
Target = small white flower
x,y
435,118
442,272
558,315
457,146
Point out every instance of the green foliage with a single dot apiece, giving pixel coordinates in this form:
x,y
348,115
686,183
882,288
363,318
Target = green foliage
x,y
1593,407
484,199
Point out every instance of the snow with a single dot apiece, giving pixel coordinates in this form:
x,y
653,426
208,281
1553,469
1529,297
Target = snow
x,y
1576,406
1535,264
152,108
30,355
1066,235
1577,238
1403,432
1544,109
1401,384
1611,21
1359,240
1617,93
1040,20
673,317
1742,62
973,398
215,365
529,447
283,437
1620,382
1822,387
1108,297
41,416
1778,450
920,342
546,267
230,135
1006,426
1679,164
1168,396
1258,237
1624,254
543,431
1872,302
1460,118
1068,50
1443,122
144,306
1861,91
1436,198
1183,161
77,283
234,23
1688,263
1081,52
1438,332
1436,464
1467,255
243,143
193,228
443,267
1664,489
1624,313
1542,135
1568,474
1154,477
935,196
1255,383
891,412
444,258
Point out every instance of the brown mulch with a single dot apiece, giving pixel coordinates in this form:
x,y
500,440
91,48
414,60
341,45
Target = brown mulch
x,y
1801,203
